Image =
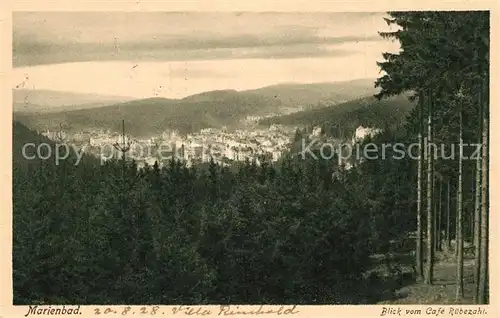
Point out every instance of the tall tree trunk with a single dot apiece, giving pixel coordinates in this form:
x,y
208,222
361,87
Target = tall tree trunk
x,y
471,214
448,217
477,210
420,190
460,240
429,268
436,205
484,240
439,217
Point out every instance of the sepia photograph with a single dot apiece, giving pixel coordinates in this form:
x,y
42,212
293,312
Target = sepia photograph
x,y
250,158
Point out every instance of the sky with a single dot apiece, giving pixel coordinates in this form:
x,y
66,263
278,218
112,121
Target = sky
x,y
178,54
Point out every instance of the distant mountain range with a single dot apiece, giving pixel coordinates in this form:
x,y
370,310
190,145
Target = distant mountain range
x,y
309,96
34,100
150,116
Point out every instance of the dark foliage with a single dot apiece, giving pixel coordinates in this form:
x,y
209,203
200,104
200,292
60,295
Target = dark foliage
x,y
289,233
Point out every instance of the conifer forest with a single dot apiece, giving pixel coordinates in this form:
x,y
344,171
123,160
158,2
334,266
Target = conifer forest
x,y
302,229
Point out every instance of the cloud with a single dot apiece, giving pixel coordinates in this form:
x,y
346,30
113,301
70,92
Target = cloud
x,y
36,54
50,38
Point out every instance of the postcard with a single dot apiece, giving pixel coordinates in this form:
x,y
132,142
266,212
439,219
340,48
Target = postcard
x,y
301,159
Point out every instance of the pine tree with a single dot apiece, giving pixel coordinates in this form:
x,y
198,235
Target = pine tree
x,y
438,50
429,269
420,190
439,216
477,208
483,297
459,236
448,216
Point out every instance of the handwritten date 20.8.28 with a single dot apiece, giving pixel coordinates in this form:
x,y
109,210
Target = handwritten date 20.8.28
x,y
150,310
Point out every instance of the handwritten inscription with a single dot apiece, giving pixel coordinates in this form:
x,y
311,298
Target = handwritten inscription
x,y
234,310
229,310
153,310
191,311
223,310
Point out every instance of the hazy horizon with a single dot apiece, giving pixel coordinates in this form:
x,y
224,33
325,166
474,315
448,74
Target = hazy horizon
x,y
175,55
27,89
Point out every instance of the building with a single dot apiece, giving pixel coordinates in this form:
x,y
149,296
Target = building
x,y
363,132
101,141
50,134
317,131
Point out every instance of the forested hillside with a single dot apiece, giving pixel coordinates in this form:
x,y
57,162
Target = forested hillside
x,y
151,116
317,95
301,231
367,112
